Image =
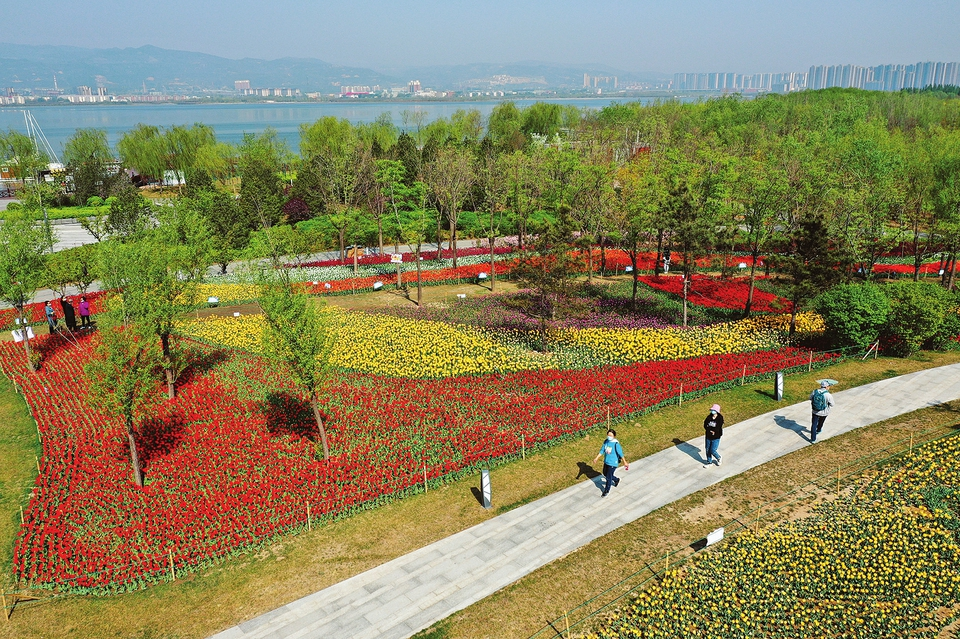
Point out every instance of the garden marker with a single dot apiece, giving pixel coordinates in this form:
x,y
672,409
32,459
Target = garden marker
x,y
680,396
523,448
309,522
173,574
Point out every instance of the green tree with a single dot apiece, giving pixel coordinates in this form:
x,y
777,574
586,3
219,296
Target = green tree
x,y
75,267
157,274
299,337
450,178
261,192
23,250
88,158
143,149
122,374
229,228
505,127
917,312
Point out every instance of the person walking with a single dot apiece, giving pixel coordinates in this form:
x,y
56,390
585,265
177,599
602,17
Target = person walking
x,y
69,314
84,313
612,453
713,431
51,317
821,401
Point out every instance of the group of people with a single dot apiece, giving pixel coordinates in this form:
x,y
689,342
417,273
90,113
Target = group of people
x,y
821,401
69,314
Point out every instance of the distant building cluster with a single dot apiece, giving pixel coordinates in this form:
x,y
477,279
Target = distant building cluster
x,y
599,81
887,77
243,88
358,91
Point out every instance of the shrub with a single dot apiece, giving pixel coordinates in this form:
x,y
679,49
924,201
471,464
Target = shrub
x,y
94,200
855,314
918,311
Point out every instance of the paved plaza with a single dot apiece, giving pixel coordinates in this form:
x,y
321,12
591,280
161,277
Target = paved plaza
x,y
412,592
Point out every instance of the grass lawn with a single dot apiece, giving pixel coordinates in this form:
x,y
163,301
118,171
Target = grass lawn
x,y
243,587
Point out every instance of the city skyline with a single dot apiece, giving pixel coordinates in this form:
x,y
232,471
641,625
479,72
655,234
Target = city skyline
x,y
636,35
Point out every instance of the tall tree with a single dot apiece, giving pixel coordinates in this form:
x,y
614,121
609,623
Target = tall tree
x,y
298,335
261,160
450,177
122,376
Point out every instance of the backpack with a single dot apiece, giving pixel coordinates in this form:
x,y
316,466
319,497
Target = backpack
x,y
819,400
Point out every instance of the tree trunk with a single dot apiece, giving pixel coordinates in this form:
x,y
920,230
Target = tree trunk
x,y
636,278
753,272
26,341
380,235
419,283
656,263
168,364
590,264
453,239
320,426
343,245
686,281
134,457
223,268
953,273
493,266
603,255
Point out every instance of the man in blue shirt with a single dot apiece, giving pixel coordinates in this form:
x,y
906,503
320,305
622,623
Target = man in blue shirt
x,y
612,453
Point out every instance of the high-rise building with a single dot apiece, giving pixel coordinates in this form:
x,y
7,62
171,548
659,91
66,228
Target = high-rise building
x,y
414,87
241,85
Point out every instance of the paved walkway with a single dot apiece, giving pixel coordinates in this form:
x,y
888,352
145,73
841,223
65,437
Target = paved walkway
x,y
412,592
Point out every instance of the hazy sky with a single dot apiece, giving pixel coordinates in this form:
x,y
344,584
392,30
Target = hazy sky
x,y
639,35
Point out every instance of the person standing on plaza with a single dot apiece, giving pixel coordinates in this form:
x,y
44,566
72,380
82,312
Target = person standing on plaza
x,y
612,453
51,317
69,314
84,313
821,401
713,431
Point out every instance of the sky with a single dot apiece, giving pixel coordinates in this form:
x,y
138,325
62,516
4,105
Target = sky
x,y
669,36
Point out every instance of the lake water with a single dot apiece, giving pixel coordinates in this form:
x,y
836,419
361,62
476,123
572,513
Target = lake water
x,y
232,121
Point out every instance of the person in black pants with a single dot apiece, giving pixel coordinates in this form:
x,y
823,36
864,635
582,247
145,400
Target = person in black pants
x,y
69,315
713,430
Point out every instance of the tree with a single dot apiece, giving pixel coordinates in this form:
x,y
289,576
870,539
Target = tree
x,y
917,311
639,202
122,375
522,174
761,193
157,274
505,127
407,205
129,215
343,166
144,150
492,181
229,227
261,193
87,156
450,177
946,202
298,335
75,266
548,271
23,249
21,156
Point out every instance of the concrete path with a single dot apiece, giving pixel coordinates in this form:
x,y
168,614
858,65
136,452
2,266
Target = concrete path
x,y
410,593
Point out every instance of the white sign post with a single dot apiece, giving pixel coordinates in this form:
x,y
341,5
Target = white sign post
x,y
485,487
715,536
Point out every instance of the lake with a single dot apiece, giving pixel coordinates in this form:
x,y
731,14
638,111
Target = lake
x,y
232,121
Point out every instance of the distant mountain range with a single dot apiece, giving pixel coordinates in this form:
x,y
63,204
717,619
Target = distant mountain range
x,y
154,69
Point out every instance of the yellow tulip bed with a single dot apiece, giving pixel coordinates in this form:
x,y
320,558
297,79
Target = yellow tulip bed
x,y
402,347
621,346
385,345
885,563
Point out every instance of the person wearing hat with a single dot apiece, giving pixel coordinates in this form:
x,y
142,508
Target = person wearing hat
x,y
821,401
713,430
51,317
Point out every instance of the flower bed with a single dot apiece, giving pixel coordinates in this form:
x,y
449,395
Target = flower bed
x,y
883,564
707,291
230,464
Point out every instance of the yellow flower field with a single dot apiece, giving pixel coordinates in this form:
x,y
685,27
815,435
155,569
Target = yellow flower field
x,y
384,345
646,344
402,347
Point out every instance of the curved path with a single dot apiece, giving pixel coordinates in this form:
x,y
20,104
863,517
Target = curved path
x,y
412,592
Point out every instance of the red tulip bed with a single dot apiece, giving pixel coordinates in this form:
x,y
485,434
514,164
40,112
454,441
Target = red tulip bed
x,y
708,291
930,268
231,462
427,277
374,260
